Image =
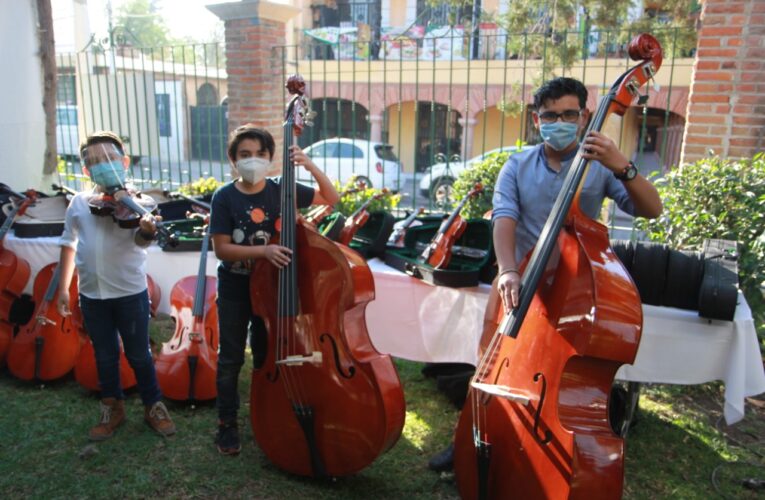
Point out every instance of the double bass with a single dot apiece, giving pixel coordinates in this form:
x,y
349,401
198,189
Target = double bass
x,y
535,423
187,364
438,253
324,402
14,274
47,347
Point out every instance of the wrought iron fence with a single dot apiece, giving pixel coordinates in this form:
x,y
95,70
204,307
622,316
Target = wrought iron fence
x,y
408,109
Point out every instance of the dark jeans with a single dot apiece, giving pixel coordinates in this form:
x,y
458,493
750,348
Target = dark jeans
x,y
235,321
106,320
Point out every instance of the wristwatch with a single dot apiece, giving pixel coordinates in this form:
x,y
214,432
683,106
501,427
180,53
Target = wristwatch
x,y
629,173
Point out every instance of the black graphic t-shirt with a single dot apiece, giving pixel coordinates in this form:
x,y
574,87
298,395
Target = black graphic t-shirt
x,y
250,219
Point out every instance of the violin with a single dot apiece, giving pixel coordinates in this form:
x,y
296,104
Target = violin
x,y
535,423
187,364
438,253
320,212
399,228
14,273
127,208
358,218
85,371
324,402
47,347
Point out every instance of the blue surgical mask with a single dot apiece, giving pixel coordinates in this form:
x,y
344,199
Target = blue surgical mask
x,y
108,175
559,135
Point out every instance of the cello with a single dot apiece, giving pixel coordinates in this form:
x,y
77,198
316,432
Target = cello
x,y
85,371
47,347
358,218
324,402
187,364
320,212
438,253
535,423
14,274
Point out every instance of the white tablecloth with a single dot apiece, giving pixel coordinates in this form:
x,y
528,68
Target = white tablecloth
x,y
165,268
413,320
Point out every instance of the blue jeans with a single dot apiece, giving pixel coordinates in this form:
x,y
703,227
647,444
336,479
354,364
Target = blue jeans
x,y
235,320
106,320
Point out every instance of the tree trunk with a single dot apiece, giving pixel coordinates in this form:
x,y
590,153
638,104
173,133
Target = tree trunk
x,y
48,61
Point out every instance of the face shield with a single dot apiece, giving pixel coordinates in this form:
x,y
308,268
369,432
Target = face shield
x,y
104,163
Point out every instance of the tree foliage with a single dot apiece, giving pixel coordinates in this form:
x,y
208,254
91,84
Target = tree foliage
x,y
141,24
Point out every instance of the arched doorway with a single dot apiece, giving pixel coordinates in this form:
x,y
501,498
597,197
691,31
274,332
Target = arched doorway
x,y
336,118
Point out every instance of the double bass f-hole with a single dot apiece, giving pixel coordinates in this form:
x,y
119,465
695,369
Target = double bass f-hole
x,y
336,357
547,436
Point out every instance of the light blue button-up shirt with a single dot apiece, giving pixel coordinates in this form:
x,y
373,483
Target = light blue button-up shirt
x,y
527,188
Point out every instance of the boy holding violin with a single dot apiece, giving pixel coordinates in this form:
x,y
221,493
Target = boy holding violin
x,y
110,261
245,215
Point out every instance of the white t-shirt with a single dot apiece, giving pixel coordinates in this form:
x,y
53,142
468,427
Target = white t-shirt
x,y
108,261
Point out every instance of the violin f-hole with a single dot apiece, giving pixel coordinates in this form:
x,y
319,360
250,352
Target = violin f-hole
x,y
336,356
547,436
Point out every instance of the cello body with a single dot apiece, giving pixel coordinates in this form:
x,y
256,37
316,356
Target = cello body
x,y
354,393
14,275
46,348
560,444
188,362
85,370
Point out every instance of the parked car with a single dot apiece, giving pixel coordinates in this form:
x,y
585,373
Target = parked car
x,y
437,182
67,136
341,158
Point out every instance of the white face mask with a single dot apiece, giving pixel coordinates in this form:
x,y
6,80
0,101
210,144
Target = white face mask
x,y
253,169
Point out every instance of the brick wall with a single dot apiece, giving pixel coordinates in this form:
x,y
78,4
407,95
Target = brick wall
x,y
255,34
726,106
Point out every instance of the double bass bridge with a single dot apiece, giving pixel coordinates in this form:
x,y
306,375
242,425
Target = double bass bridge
x,y
315,358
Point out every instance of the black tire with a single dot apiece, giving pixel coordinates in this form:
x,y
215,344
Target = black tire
x,y
685,271
649,271
365,180
625,250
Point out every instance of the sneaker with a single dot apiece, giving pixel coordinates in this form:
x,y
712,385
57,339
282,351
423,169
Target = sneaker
x,y
442,461
227,439
159,419
112,416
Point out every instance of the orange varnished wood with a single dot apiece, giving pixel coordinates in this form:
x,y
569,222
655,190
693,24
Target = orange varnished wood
x,y
438,253
535,423
47,347
324,402
85,370
357,417
578,348
195,337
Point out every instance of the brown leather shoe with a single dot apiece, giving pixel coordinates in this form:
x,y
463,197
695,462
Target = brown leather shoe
x,y
112,416
159,419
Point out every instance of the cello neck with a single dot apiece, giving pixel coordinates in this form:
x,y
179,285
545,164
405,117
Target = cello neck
x,y
201,288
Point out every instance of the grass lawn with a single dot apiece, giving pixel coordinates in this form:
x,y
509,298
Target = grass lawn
x,y
679,448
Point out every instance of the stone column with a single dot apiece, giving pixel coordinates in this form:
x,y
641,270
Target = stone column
x,y
375,128
468,128
726,107
255,35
